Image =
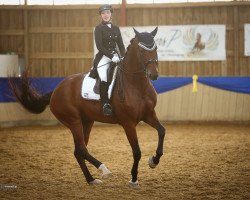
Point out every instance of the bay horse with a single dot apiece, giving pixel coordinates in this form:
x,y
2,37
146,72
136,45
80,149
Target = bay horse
x,y
133,100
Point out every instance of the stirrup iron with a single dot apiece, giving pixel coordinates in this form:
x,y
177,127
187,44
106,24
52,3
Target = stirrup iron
x,y
107,109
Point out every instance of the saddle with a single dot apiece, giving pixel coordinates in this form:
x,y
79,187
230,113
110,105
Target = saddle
x,y
91,86
94,74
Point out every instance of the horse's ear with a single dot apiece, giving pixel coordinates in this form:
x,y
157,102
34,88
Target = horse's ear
x,y
153,33
136,32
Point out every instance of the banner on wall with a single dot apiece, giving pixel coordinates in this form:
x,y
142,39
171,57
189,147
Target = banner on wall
x,y
184,43
247,39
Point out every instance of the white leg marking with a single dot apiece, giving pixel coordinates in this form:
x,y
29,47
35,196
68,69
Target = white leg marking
x,y
133,184
95,182
105,172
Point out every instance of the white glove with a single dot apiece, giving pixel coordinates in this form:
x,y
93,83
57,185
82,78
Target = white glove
x,y
115,59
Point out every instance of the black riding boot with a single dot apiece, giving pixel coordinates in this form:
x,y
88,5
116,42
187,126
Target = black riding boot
x,y
107,109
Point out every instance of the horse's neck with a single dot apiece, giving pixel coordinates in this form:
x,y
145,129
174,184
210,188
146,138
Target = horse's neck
x,y
131,62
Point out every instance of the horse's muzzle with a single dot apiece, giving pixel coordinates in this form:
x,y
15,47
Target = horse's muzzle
x,y
153,76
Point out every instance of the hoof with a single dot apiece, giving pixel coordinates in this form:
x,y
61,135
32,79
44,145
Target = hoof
x,y
151,163
134,184
95,182
107,175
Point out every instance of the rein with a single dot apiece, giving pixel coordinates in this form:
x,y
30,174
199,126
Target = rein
x,y
136,73
104,64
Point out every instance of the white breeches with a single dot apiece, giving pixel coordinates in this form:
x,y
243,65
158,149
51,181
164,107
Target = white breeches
x,y
102,70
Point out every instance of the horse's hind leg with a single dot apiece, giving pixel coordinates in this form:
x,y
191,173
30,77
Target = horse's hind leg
x,y
80,134
153,121
87,126
81,152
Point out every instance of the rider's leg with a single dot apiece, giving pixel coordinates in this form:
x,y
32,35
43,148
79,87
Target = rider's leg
x,y
107,110
110,72
102,71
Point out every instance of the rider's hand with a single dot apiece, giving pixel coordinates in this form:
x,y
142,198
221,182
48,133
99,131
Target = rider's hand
x,y
115,59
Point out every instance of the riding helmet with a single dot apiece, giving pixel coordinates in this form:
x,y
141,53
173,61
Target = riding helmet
x,y
105,7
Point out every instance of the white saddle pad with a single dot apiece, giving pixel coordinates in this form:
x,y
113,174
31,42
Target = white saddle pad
x,y
88,87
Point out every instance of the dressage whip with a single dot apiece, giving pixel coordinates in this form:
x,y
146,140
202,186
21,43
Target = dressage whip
x,y
109,63
104,64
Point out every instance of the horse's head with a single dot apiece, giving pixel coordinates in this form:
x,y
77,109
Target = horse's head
x,y
147,53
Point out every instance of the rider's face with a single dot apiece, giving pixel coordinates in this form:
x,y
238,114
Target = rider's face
x,y
106,15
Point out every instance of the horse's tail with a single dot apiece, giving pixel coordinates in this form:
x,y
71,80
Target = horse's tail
x,y
28,96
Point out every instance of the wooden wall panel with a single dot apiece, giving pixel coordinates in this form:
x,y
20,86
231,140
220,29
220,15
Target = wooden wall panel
x,y
60,67
12,43
64,34
11,19
208,104
14,115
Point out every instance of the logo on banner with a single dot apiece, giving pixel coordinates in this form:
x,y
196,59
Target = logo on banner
x,y
199,40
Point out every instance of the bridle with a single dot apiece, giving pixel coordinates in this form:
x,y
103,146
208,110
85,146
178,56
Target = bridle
x,y
144,65
148,62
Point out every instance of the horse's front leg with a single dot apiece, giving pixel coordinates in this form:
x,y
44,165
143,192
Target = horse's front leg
x,y
153,121
133,141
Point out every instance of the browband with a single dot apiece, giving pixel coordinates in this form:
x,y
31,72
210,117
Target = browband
x,y
142,45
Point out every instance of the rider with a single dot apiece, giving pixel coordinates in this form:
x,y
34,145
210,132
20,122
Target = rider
x,y
107,38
